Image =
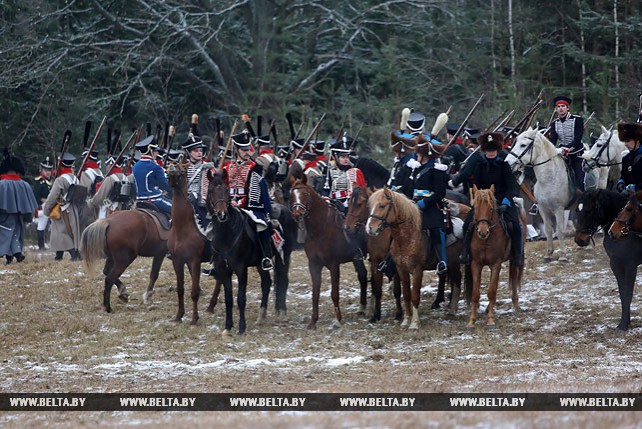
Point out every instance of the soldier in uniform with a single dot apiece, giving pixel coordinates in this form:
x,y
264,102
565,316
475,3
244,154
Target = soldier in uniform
x,y
631,180
496,171
248,191
150,178
65,230
91,176
343,177
197,173
566,133
41,188
17,205
117,191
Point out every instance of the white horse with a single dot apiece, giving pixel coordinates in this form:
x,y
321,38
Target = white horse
x,y
551,190
605,156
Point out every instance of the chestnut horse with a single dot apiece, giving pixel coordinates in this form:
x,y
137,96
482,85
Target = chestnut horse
x,y
378,251
597,209
629,219
409,249
490,246
234,242
326,245
121,238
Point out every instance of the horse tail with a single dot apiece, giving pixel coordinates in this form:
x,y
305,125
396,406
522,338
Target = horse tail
x,y
93,243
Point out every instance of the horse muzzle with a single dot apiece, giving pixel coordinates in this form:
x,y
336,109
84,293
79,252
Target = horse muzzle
x,y
222,216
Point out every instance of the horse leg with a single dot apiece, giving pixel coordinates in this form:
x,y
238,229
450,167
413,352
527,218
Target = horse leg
x,y
179,269
405,288
492,294
454,279
266,284
377,286
560,228
229,303
195,273
396,291
548,230
335,275
315,275
281,283
241,301
440,292
475,268
117,267
153,276
515,280
215,295
362,275
417,278
625,284
122,289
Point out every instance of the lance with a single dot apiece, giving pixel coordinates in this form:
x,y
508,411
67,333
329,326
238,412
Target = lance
x,y
227,146
307,140
91,148
170,142
463,124
66,138
120,154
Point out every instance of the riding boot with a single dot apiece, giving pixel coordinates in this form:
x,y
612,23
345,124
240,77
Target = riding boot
x,y
41,240
19,257
59,255
266,250
9,258
468,236
75,256
517,258
438,245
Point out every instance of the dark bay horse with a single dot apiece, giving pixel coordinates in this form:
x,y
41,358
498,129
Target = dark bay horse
x,y
409,250
378,250
121,238
598,208
235,246
629,219
490,246
326,245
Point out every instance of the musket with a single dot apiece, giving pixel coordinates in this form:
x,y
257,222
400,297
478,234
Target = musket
x,y
121,152
116,141
276,139
91,148
171,133
307,140
492,124
522,121
463,124
166,136
85,136
356,136
504,121
138,132
640,110
227,146
588,119
66,138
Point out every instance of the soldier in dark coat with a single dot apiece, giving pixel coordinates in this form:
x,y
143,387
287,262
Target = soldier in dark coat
x,y
41,188
631,179
566,133
17,202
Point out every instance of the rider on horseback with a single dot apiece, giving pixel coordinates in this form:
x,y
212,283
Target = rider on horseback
x,y
196,173
495,171
150,177
631,136
248,190
343,177
566,133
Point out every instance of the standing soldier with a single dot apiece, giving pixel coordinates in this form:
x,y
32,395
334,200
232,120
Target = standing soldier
x,y
41,189
91,176
197,173
343,177
117,191
150,178
248,191
64,211
16,202
566,133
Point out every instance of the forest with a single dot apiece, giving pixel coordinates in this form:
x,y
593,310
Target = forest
x,y
65,62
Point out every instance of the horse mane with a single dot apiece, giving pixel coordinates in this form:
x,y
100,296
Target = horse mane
x,y
484,196
406,209
547,146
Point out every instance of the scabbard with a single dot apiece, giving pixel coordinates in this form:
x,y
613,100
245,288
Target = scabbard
x,y
65,218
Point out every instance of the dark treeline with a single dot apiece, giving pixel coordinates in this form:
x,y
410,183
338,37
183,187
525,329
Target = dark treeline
x,y
64,62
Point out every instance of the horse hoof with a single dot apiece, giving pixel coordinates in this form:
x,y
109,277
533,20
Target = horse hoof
x,y
178,319
312,326
210,310
226,333
491,327
623,327
548,259
336,325
107,309
413,327
563,260
124,297
194,322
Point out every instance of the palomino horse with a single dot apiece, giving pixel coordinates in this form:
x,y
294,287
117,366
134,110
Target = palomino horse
x,y
490,246
326,245
605,156
409,249
552,190
234,243
187,243
378,250
122,237
598,208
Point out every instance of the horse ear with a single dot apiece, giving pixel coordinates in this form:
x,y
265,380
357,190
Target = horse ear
x,y
304,179
604,130
492,188
210,174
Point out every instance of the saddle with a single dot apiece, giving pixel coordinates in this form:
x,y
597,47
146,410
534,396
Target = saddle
x,y
161,220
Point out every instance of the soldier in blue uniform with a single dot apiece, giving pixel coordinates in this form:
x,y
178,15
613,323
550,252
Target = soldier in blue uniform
x,y
631,180
150,177
566,133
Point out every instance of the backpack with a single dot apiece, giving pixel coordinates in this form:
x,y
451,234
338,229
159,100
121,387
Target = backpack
x,y
122,192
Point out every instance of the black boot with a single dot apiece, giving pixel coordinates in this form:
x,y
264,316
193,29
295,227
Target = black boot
x,y
59,255
517,258
19,257
266,250
9,258
465,256
41,240
75,256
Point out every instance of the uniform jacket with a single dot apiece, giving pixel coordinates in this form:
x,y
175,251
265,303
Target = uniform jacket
x,y
632,169
248,187
61,238
150,179
495,172
430,184
568,132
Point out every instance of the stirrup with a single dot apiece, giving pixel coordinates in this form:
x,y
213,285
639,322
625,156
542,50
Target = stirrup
x,y
441,267
266,264
534,210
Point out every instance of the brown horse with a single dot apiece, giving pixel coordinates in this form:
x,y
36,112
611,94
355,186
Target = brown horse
x,y
326,245
490,246
121,238
187,244
409,250
629,219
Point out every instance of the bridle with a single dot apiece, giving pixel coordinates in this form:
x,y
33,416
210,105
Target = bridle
x,y
302,205
528,149
626,228
595,161
384,219
488,222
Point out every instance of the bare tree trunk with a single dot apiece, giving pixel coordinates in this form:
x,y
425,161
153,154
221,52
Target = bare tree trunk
x,y
583,48
492,41
511,37
617,54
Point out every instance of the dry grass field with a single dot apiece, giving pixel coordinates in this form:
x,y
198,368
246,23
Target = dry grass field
x,y
56,338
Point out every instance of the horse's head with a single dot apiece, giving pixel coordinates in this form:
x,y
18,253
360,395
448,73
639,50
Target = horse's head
x,y
357,210
588,215
530,148
300,196
485,205
218,196
177,173
382,211
606,151
628,218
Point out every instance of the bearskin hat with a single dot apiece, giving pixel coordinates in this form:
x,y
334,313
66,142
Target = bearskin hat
x,y
629,131
11,163
491,141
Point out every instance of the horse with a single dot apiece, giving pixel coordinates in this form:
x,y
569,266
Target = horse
x,y
598,208
628,220
326,245
121,238
490,246
553,189
378,251
234,244
409,249
605,156
187,244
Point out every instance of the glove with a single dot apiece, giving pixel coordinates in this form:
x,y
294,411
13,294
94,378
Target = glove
x,y
451,185
630,189
562,151
502,208
620,186
422,204
506,202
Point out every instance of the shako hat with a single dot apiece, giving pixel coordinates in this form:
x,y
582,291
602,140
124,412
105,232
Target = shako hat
x,y
146,145
416,122
46,164
242,140
561,99
67,159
